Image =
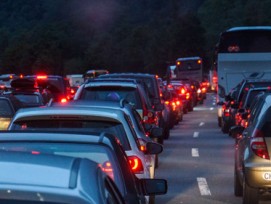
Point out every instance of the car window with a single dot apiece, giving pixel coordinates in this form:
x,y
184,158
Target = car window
x,y
109,93
97,153
89,126
28,98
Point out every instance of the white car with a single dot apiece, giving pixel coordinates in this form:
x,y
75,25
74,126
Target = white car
x,y
86,119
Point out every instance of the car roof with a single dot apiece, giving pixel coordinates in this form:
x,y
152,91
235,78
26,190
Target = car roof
x,y
78,112
57,136
94,83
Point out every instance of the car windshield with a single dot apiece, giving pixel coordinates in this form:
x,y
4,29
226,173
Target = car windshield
x,y
89,126
97,153
5,109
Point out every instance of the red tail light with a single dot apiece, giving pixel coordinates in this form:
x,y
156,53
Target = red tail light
x,y
41,77
226,112
63,100
107,168
187,96
182,91
136,164
258,145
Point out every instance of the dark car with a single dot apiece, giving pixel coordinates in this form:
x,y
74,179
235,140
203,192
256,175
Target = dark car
x,y
58,87
8,107
242,88
71,180
103,148
155,94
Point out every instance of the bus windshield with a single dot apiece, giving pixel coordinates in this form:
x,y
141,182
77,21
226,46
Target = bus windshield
x,y
245,41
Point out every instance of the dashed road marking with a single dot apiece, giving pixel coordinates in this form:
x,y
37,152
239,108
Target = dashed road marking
x,y
203,186
201,124
212,108
195,152
196,134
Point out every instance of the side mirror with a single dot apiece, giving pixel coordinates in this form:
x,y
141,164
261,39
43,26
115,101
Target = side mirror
x,y
159,107
153,148
236,131
154,186
156,132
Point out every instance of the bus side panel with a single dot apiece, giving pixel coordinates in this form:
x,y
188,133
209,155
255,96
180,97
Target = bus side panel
x,y
232,68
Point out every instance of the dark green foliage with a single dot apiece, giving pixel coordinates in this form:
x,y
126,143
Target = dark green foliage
x,y
72,36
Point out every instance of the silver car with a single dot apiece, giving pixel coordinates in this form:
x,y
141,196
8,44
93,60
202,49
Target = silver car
x,y
31,178
252,170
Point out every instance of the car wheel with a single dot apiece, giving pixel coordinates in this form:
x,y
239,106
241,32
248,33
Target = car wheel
x,y
224,127
156,161
250,195
166,133
238,188
152,199
219,119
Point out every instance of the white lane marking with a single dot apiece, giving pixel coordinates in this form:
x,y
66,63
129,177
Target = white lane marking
x,y
214,104
195,152
203,186
196,134
201,124
212,108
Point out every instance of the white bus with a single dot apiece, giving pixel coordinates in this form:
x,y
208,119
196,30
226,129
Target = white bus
x,y
189,67
240,53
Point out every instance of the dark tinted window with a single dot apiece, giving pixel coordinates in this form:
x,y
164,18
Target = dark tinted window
x,y
112,93
245,41
88,126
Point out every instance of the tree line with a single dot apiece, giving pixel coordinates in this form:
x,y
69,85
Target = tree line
x,y
72,36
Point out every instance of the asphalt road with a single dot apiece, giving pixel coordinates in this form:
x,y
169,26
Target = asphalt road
x,y
198,160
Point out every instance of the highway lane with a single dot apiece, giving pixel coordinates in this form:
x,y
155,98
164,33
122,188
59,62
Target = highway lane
x,y
198,160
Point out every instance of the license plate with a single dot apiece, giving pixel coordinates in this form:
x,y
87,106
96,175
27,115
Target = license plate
x,y
267,176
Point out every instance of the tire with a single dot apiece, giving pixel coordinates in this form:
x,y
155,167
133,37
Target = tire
x,y
156,161
152,199
250,195
219,121
224,128
238,187
166,133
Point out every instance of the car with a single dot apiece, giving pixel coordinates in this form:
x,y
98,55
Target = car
x,y
103,148
89,119
71,180
115,90
252,158
27,92
134,118
241,89
154,92
58,86
8,107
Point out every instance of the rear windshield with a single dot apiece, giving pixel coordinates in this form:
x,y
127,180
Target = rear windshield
x,y
97,153
249,85
109,93
89,126
28,98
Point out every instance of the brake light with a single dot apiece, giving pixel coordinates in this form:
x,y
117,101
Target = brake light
x,y
226,112
167,102
199,61
63,100
35,152
258,144
198,91
178,63
41,77
178,103
182,91
136,164
187,96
